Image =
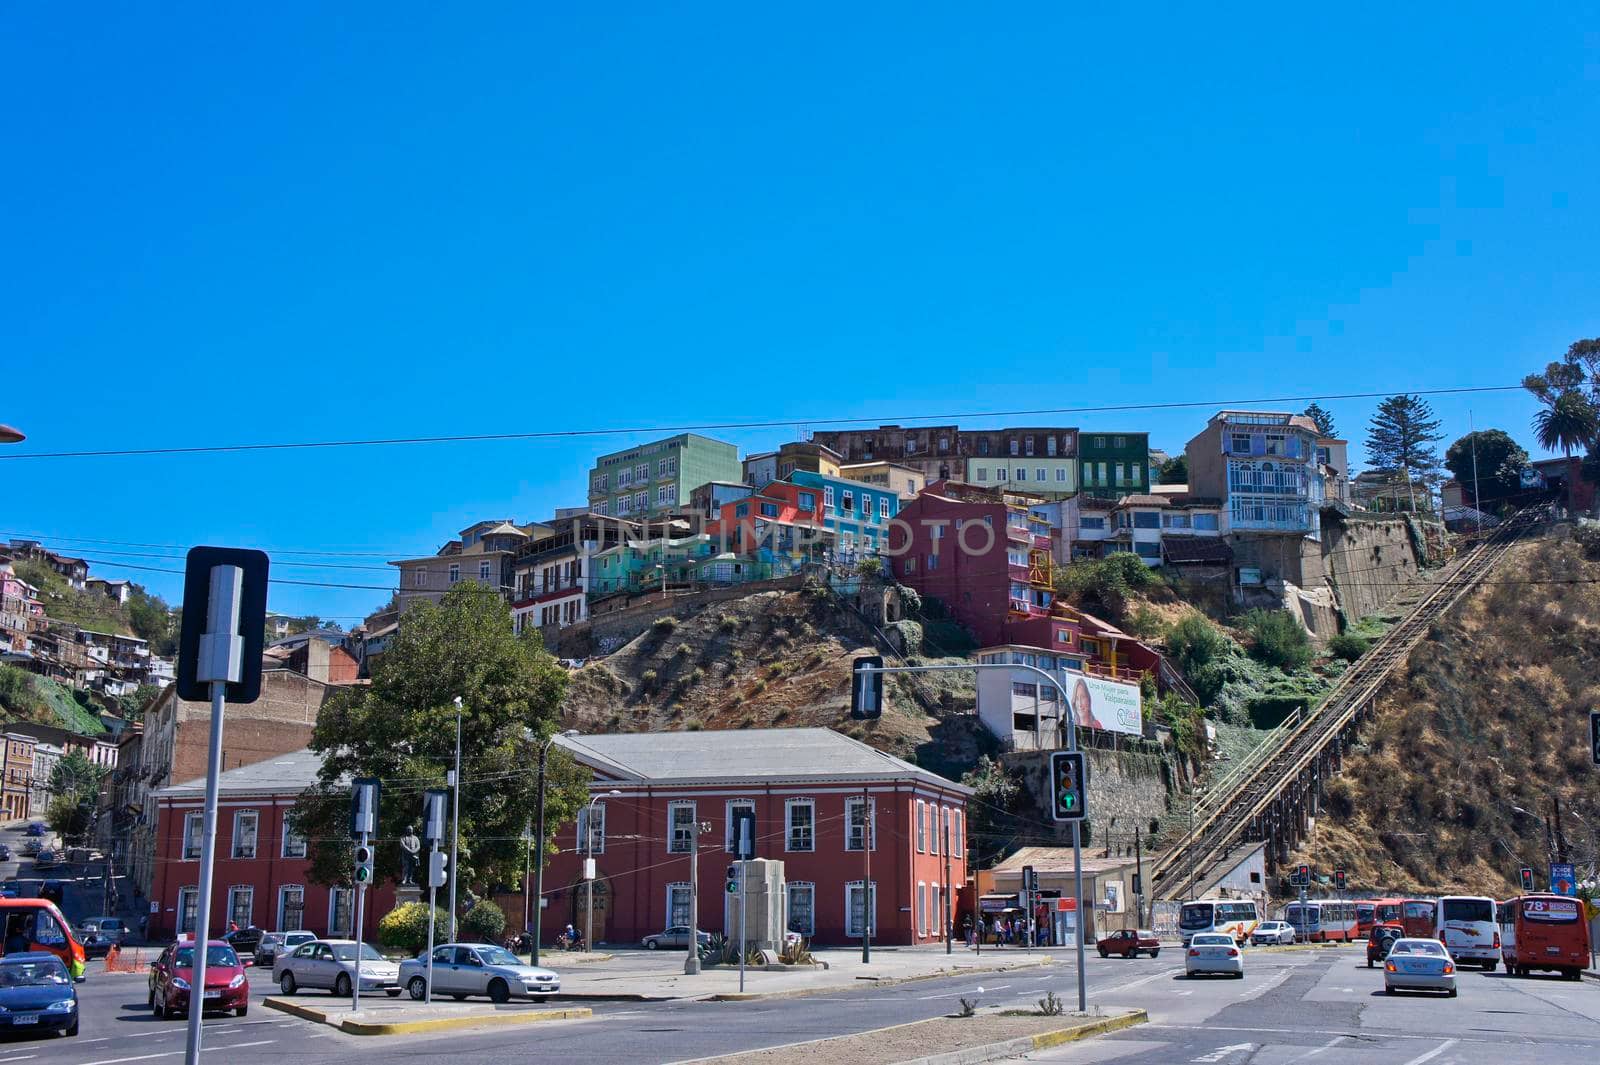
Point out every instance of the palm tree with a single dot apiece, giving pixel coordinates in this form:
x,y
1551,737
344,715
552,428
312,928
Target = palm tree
x,y
1569,422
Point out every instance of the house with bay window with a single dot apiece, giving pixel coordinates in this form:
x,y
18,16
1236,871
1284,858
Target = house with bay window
x,y
1263,467
827,806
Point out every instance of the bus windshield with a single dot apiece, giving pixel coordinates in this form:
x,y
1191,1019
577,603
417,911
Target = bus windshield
x,y
1420,909
1195,915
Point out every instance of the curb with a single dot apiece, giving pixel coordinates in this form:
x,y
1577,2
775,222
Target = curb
x,y
431,1024
1591,974
1011,1048
867,981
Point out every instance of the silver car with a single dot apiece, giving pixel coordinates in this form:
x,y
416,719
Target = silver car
x,y
1419,965
275,944
1213,952
462,969
676,937
330,964
1272,933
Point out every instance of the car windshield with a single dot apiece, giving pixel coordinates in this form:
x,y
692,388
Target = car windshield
x,y
1475,910
347,952
220,957
1417,946
497,956
33,973
1213,941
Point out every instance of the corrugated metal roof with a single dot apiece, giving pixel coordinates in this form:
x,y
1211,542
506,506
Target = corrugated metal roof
x,y
287,773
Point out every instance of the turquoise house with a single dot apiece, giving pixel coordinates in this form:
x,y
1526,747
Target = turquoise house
x,y
857,513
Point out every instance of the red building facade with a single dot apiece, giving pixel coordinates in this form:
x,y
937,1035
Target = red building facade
x,y
814,793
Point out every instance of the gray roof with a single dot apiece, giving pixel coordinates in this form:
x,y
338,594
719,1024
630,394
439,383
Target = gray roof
x,y
290,773
762,755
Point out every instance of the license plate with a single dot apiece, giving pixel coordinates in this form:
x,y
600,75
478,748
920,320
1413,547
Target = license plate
x,y
213,994
1552,950
24,1018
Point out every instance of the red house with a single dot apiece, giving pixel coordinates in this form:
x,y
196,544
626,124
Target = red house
x,y
814,792
261,875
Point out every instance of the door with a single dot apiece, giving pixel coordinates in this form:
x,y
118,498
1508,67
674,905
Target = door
x,y
322,969
469,972
444,976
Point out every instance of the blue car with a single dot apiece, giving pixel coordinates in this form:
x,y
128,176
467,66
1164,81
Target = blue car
x,y
35,828
37,994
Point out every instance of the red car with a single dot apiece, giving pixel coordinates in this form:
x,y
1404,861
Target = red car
x,y
1130,943
227,986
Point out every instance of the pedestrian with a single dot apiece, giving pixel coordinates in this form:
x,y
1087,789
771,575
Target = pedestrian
x,y
966,932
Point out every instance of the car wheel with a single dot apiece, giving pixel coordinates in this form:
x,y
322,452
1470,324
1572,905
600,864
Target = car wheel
x,y
341,985
286,983
1387,990
1489,968
458,996
651,944
1103,954
243,1011
71,1029
1451,993
1369,963
418,988
499,992
1156,953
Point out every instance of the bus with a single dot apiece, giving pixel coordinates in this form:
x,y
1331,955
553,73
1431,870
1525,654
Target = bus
x,y
1417,916
1543,932
1366,916
1235,917
1324,921
1465,924
36,924
1387,910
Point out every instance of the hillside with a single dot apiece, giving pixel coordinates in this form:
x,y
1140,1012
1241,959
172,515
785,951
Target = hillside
x,y
25,697
1489,714
144,615
772,659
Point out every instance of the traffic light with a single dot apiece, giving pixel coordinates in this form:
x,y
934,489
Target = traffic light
x,y
733,880
1302,875
364,863
1338,879
1526,876
1069,792
438,868
866,689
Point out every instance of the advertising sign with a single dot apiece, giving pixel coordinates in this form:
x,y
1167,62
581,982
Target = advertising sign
x,y
1563,880
1111,705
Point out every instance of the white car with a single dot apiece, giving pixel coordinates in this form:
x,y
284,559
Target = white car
x,y
1272,933
462,969
1213,952
1419,965
330,964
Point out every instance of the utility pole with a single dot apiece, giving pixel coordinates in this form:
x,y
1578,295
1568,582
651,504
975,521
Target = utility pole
x,y
691,964
1138,876
455,824
949,915
866,877
1477,503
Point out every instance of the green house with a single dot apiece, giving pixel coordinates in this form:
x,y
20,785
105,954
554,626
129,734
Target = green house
x,y
656,478
1112,465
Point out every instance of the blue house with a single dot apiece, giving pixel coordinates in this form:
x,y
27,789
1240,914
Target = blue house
x,y
857,513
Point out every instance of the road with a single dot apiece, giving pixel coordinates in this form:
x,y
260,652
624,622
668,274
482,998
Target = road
x,y
1294,1006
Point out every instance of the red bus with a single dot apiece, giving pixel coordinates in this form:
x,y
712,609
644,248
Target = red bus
x,y
1366,916
1544,932
36,924
1417,917
1386,910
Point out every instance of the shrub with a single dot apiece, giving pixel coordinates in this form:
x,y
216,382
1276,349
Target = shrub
x,y
681,651
797,952
696,675
1107,581
1193,642
1145,623
406,927
726,624
1051,1005
1347,646
692,726
807,630
1278,639
869,567
647,679
910,599
484,923
758,687
664,625
777,669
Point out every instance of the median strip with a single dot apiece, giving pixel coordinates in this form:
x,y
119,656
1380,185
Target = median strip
x,y
406,1020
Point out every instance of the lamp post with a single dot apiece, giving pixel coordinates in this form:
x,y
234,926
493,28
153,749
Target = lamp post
x,y
588,890
538,852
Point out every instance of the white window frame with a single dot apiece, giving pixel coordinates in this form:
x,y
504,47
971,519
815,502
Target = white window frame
x,y
922,827
674,845
294,845
789,807
727,829
922,908
249,892
420,578
334,894
454,576
851,805
958,839
485,571
581,830
673,889
808,888
239,818
945,827
869,908
188,899
827,497
193,836
283,910
1040,473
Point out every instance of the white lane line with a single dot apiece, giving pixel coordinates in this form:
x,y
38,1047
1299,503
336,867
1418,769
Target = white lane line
x,y
20,1057
1435,1052
1266,985
1329,1045
241,1046
1222,1052
137,1057
1164,974
1025,994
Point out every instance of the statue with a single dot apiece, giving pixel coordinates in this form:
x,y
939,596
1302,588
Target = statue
x,y
410,848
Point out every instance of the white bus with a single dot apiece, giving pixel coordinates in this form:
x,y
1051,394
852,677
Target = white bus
x,y
1234,917
1322,921
1465,924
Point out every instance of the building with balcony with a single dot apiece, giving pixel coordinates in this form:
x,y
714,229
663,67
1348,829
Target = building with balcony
x,y
16,775
1262,467
551,574
941,452
656,478
483,554
855,513
1114,464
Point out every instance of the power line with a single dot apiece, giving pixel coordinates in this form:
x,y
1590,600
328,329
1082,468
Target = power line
x,y
184,547
213,449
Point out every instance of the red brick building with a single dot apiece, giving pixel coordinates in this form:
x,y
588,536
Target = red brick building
x,y
813,792
262,871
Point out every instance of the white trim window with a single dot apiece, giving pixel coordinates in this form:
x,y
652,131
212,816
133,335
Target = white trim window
x,y
419,578
455,572
957,840
242,905
861,818
853,899
483,572
922,908
581,839
936,919
294,844
291,907
678,904
341,911
802,909
827,497
193,826
188,909
680,826
245,825
800,825
922,827
727,832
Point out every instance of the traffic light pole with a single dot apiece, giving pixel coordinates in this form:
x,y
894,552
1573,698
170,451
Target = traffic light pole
x,y
361,914
1077,834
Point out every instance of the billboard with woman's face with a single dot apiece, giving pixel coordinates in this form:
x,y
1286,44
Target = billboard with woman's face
x,y
1110,705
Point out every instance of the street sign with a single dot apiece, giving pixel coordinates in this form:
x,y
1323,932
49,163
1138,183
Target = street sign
x,y
744,834
364,792
866,689
1069,793
246,633
433,816
1563,879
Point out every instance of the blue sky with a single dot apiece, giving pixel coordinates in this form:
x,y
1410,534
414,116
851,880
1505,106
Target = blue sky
x,y
224,224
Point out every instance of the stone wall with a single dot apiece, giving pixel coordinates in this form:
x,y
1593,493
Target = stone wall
x,y
1367,560
1127,790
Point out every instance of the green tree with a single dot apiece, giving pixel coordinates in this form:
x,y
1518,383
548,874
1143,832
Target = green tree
x,y
1499,462
484,923
75,776
1175,470
1400,438
401,729
992,811
68,816
151,619
1324,419
406,927
1278,639
1571,422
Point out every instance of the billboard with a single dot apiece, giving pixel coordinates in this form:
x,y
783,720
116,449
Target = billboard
x,y
1110,705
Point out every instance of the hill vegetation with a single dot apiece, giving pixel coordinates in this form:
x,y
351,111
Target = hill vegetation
x,y
144,615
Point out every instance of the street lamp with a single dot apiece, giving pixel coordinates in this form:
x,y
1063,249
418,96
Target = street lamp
x,y
588,851
538,860
9,435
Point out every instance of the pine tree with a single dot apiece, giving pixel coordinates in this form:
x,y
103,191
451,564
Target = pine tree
x,y
1322,417
1400,438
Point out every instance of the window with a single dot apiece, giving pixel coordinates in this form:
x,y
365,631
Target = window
x,y
983,445
944,443
861,817
944,830
1013,445
1039,474
624,505
193,825
624,478
922,908
741,510
677,905
802,908
866,506
1146,519
1000,473
933,563
727,833
808,500
188,899
769,510
586,840
661,468
341,911
827,497
455,572
1119,442
1099,442
664,494
860,899
244,833
1049,445
910,565
848,502
1022,473
1239,443
983,473
922,828
1116,472
241,905
419,578
483,572
800,817
680,819
641,501
291,907
956,838
1027,446
1206,521
1091,647
641,472
936,919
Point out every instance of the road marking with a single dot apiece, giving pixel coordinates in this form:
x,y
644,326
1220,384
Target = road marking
x,y
1222,1052
175,1053
1329,1045
1164,974
20,1057
1181,993
1435,1052
1025,994
241,1046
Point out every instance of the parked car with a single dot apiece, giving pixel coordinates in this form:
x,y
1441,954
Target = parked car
x,y
462,969
37,994
1213,952
275,943
47,859
674,938
245,940
1130,943
1381,939
114,929
5,853
1419,965
31,847
171,975
35,828
330,964
1272,934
